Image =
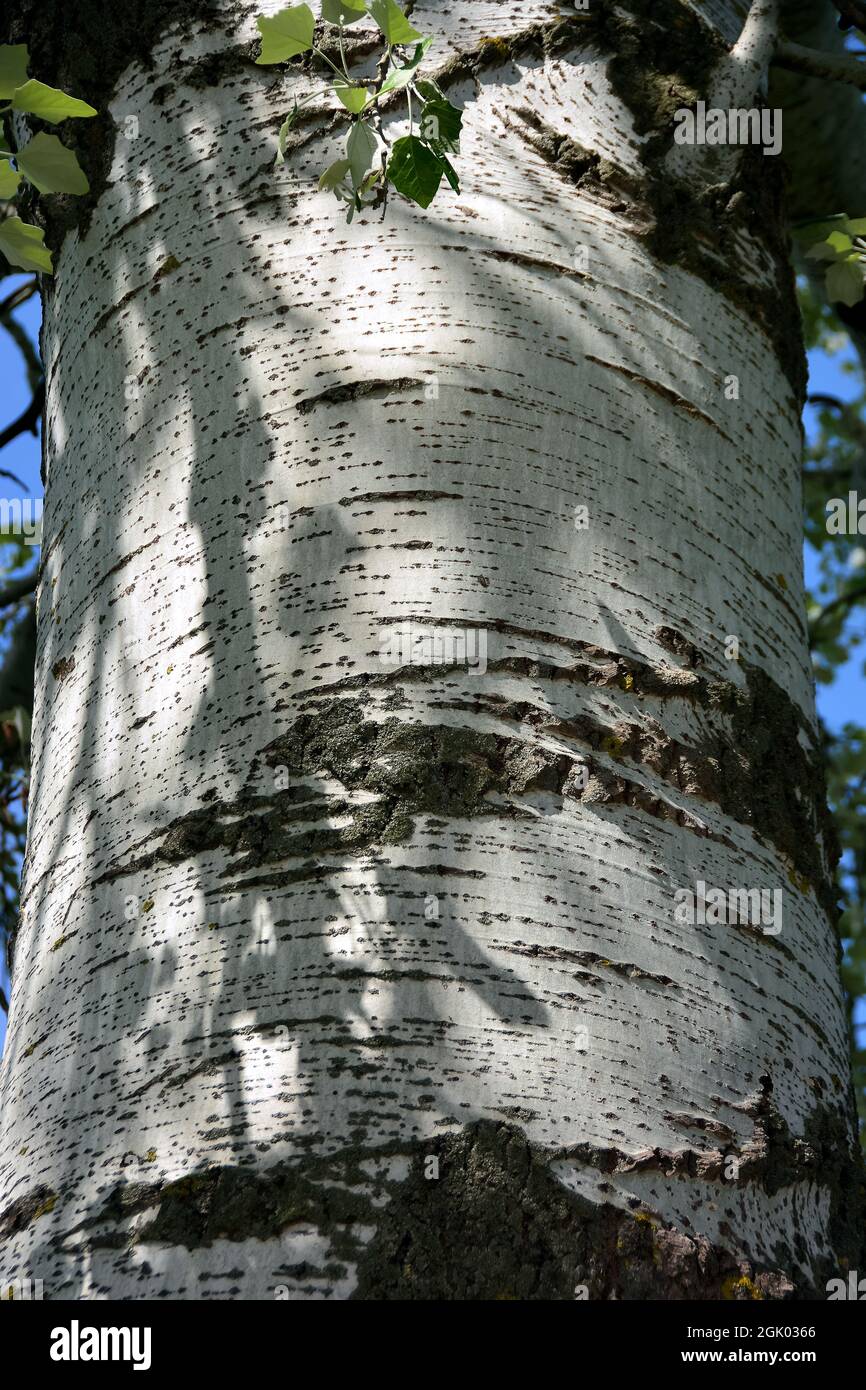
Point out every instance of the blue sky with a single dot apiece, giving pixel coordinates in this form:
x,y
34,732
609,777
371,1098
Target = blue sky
x,y
844,700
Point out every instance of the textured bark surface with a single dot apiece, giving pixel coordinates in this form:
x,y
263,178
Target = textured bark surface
x,y
302,929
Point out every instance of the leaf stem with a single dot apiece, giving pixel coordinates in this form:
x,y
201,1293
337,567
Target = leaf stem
x,y
331,65
343,55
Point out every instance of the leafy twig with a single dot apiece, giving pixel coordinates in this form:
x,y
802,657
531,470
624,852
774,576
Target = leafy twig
x,y
417,163
44,161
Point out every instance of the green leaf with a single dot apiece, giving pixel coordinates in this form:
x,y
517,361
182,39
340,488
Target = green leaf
x,y
450,173
353,98
441,124
825,250
50,166
414,170
429,90
822,250
284,134
343,11
22,245
392,21
361,148
840,242
13,68
9,180
334,174
846,282
48,102
820,228
370,181
286,34
401,77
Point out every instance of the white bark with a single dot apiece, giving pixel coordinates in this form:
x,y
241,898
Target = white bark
x,y
222,556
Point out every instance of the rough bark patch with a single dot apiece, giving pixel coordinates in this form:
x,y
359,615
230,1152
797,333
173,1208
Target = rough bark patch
x,y
497,1225
20,1213
481,1216
755,768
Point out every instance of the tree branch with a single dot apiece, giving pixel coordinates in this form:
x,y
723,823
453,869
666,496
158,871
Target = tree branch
x,y
742,73
28,351
13,478
19,660
18,589
736,81
18,297
27,420
849,411
843,601
852,14
824,122
835,67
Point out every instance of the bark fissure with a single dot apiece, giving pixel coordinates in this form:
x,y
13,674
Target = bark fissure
x,y
492,1190
355,390
757,772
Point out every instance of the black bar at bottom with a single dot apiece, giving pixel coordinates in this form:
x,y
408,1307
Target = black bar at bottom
x,y
82,1340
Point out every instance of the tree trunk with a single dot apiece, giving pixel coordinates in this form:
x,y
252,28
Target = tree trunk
x,y
387,694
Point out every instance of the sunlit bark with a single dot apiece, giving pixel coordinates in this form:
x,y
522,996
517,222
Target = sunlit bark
x,y
343,967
